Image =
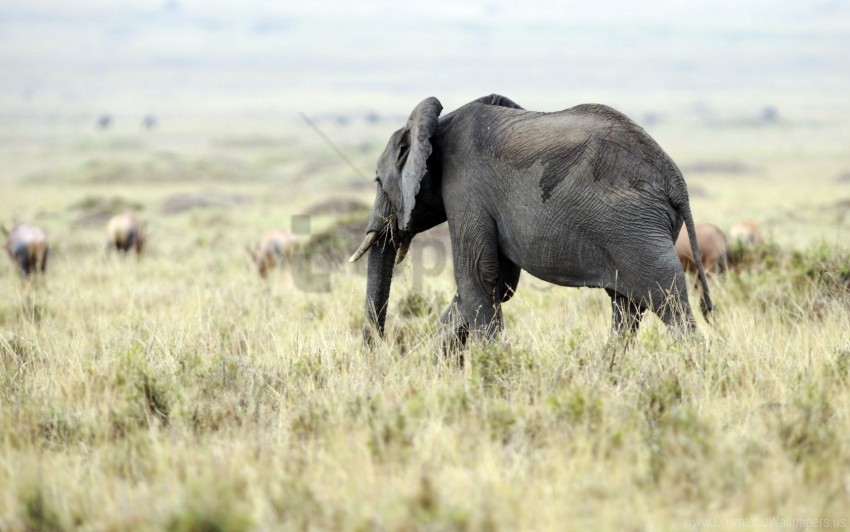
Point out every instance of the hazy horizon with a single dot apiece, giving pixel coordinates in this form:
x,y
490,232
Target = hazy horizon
x,y
96,56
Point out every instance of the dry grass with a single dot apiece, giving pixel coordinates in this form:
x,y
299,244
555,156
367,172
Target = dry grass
x,y
181,392
185,396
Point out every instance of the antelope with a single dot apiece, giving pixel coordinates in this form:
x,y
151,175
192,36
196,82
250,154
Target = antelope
x,y
712,248
27,247
746,233
275,249
125,232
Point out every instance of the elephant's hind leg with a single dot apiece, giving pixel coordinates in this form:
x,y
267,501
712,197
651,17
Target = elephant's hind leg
x,y
654,281
669,299
626,314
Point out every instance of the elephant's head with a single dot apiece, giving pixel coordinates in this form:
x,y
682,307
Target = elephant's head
x,y
407,202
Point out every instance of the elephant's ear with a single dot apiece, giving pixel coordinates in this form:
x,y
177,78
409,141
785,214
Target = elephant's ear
x,y
414,150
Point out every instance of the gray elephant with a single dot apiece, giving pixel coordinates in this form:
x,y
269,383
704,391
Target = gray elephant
x,y
581,197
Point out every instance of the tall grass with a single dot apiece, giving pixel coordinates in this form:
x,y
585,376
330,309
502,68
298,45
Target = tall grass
x,y
188,395
181,392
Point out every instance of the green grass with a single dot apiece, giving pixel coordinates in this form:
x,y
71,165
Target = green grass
x,y
181,392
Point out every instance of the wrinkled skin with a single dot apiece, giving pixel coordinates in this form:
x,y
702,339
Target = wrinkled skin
x,y
27,247
712,248
276,249
581,197
125,232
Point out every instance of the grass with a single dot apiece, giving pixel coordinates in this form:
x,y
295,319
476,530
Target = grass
x,y
194,398
181,392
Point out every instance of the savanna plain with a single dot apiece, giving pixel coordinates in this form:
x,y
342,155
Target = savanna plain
x,y
180,391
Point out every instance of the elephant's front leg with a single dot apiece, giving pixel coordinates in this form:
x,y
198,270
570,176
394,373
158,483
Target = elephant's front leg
x,y
454,329
478,276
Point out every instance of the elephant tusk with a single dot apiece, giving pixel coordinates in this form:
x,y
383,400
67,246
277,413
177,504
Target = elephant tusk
x,y
402,252
371,238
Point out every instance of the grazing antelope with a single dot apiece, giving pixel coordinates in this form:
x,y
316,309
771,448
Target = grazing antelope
x,y
126,232
712,248
746,233
27,247
275,249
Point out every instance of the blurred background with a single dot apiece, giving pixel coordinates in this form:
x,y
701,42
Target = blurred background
x,y
749,98
269,57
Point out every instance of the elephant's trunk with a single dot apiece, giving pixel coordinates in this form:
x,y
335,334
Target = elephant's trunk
x,y
382,257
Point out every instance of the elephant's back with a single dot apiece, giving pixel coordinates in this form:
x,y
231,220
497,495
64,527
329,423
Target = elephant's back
x,y
590,142
572,189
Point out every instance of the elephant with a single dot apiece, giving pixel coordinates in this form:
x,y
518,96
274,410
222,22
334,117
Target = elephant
x,y
582,197
27,247
276,248
712,248
125,232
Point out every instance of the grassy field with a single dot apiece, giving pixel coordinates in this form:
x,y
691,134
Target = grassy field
x,y
182,392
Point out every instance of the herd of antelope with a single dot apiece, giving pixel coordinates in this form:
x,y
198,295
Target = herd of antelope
x,y
28,247
713,245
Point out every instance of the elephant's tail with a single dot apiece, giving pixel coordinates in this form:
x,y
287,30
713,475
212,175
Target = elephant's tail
x,y
706,306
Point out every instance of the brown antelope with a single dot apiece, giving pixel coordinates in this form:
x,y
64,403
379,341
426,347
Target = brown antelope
x,y
27,247
125,232
746,233
712,248
275,249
